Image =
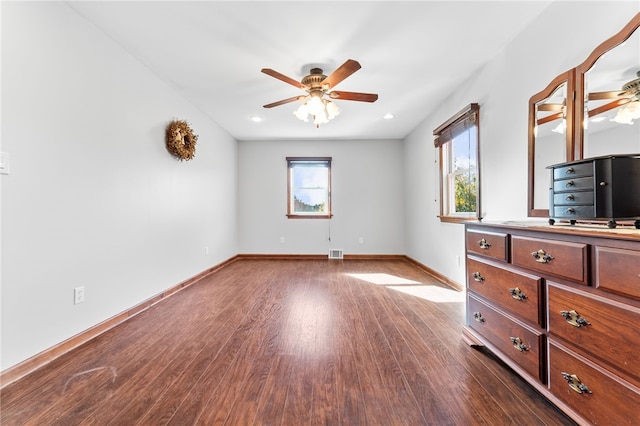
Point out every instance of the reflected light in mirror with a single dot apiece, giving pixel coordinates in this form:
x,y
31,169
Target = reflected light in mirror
x,y
560,128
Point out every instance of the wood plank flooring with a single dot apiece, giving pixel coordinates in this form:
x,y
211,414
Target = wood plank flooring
x,y
285,342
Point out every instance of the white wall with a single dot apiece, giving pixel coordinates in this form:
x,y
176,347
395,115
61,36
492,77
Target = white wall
x,y
558,40
93,198
367,198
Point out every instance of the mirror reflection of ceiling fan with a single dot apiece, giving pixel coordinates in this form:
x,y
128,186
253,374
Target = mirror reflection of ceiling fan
x,y
317,85
629,96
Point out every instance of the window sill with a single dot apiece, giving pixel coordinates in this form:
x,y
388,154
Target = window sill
x,y
309,216
458,219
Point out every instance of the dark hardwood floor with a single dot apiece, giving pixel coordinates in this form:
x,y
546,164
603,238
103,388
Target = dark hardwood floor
x,y
285,342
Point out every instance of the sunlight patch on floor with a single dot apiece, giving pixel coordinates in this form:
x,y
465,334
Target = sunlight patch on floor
x,y
384,279
432,293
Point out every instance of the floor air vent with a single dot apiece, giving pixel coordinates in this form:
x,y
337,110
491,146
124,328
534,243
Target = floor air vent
x,y
335,254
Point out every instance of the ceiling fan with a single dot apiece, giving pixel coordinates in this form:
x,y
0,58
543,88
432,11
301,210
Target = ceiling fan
x,y
317,85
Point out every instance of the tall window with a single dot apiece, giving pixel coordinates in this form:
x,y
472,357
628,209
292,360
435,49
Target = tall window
x,y
458,144
309,187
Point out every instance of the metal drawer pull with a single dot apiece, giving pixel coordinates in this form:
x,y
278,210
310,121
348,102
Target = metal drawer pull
x,y
478,277
570,183
570,171
542,256
603,183
575,383
574,318
478,317
484,244
519,344
571,197
517,294
571,210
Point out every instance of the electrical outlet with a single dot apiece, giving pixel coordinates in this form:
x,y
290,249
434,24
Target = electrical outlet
x,y
281,240
206,251
78,295
361,240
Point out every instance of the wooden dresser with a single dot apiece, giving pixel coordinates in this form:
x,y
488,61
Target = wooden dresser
x,y
561,306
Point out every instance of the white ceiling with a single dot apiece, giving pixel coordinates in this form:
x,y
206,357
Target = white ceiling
x,y
413,54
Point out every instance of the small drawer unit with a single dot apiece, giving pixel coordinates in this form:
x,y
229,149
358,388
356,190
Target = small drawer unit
x,y
599,188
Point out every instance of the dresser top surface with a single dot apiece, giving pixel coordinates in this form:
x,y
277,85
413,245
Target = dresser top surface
x,y
623,231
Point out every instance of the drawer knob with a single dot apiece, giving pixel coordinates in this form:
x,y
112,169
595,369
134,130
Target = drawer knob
x,y
570,171
603,183
575,383
574,318
477,277
519,344
478,317
570,183
542,256
571,210
571,197
484,244
517,294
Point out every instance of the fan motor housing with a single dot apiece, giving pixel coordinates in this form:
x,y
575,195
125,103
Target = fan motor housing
x,y
314,79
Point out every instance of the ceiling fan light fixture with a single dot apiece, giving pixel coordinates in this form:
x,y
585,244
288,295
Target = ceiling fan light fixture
x,y
322,110
628,113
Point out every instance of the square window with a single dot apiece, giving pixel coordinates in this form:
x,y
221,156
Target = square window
x,y
309,187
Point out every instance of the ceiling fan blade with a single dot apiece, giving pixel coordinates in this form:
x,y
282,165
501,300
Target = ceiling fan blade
x,y
353,96
282,77
550,107
284,101
343,71
598,96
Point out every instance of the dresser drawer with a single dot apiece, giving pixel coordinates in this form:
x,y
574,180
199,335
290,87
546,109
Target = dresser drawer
x,y
572,171
573,198
506,334
618,271
492,244
559,258
579,184
608,400
605,329
516,292
575,212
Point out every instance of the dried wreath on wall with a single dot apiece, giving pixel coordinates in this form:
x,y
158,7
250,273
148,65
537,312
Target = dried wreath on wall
x,y
181,141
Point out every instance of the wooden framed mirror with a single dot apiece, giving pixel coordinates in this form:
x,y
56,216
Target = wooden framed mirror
x,y
603,120
608,90
551,141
